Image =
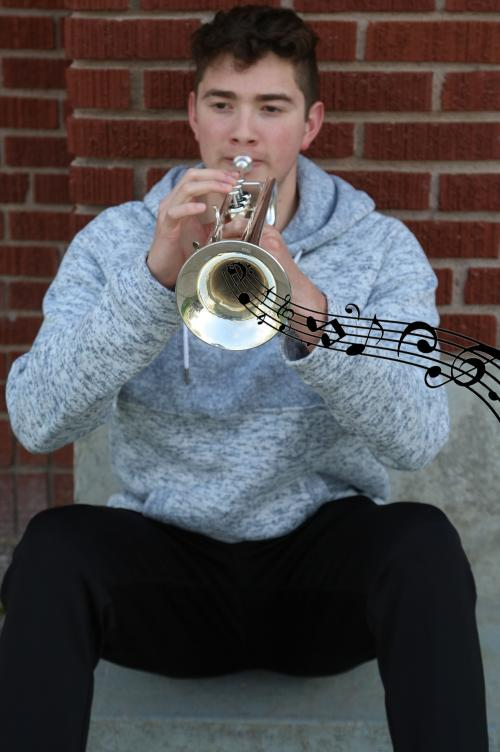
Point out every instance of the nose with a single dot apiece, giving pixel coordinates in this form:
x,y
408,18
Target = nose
x,y
244,129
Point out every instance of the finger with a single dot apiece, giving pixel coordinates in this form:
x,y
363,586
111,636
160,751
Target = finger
x,y
186,210
199,188
235,227
208,174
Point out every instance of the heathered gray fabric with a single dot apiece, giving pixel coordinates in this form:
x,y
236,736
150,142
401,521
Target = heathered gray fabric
x,y
260,438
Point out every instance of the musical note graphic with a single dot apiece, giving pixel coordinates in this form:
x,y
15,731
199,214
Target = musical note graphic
x,y
476,366
314,326
284,311
358,349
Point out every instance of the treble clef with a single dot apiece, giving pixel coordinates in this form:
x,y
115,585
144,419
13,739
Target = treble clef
x,y
285,312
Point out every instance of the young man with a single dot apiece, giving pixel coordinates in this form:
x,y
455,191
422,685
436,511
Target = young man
x,y
250,530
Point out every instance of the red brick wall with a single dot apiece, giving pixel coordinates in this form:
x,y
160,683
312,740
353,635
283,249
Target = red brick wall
x,y
413,96
35,227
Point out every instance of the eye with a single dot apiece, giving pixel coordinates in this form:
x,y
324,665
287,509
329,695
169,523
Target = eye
x,y
220,106
272,109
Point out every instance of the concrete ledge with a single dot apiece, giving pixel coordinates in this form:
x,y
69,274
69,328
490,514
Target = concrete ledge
x,y
156,735
260,710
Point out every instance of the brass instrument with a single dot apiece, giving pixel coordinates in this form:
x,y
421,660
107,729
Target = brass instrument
x,y
211,281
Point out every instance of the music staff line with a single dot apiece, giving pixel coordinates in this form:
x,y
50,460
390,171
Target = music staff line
x,y
351,318
457,370
358,327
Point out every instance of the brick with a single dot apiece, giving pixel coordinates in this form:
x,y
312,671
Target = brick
x,y
457,239
52,189
62,489
477,326
201,4
131,138
106,89
13,187
78,221
477,90
3,366
478,6
440,41
102,185
1,225
469,192
28,261
6,444
32,225
40,4
67,111
27,32
39,151
97,4
432,141
369,91
19,330
337,39
7,517
32,497
23,457
334,140
26,296
142,39
27,112
34,73
445,286
64,457
392,190
167,89
3,401
370,6
482,286
154,175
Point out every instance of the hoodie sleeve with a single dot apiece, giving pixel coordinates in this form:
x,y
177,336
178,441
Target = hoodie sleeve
x,y
387,404
99,330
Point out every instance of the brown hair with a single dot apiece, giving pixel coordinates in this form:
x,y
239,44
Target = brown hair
x,y
250,32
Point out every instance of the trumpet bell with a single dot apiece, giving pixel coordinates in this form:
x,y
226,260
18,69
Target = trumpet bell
x,y
209,286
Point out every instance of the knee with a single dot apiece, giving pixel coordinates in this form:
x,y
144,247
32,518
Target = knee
x,y
421,536
50,546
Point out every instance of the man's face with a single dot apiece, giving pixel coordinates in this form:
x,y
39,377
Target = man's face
x,y
258,111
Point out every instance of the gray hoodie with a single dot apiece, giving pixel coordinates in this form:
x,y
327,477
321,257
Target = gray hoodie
x,y
260,438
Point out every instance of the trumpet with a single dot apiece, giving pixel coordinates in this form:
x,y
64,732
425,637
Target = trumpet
x,y
210,283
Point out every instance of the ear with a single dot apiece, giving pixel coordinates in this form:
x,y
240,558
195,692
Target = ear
x,y
193,121
313,124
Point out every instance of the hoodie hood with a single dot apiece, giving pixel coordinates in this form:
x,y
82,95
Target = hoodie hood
x,y
328,208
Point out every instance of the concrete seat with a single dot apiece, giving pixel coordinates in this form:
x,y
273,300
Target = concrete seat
x,y
266,712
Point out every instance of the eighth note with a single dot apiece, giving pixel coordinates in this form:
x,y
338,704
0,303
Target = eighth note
x,y
313,326
262,317
358,349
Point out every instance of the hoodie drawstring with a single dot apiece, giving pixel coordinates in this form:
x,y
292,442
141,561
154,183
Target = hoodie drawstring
x,y
185,352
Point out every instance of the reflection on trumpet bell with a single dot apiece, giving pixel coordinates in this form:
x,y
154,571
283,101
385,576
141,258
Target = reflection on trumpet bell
x,y
210,284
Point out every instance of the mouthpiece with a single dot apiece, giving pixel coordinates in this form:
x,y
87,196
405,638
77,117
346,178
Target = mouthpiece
x,y
243,163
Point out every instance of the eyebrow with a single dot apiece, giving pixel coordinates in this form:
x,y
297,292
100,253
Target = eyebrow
x,y
260,97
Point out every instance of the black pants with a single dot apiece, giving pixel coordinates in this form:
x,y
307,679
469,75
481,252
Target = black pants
x,y
355,582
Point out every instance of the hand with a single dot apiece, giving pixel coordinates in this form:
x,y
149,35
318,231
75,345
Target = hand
x,y
185,216
306,298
